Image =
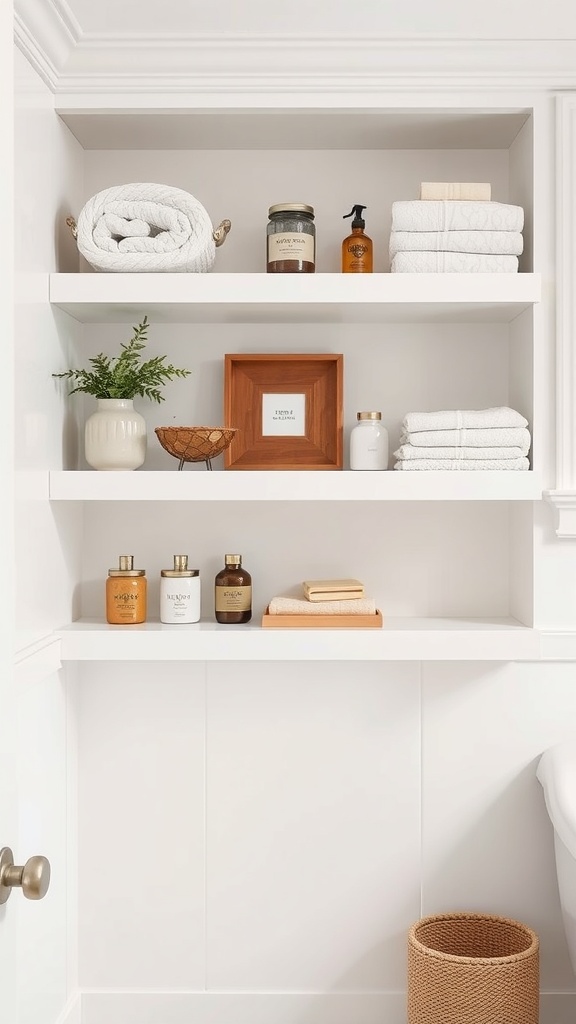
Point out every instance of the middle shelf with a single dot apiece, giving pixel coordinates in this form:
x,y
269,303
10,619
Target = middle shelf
x,y
294,485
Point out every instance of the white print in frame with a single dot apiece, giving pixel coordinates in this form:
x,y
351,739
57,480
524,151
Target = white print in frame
x,y
283,415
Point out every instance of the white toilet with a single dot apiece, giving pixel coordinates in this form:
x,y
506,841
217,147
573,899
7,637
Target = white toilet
x,y
557,774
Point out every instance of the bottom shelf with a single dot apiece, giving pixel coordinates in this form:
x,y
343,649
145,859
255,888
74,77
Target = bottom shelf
x,y
400,639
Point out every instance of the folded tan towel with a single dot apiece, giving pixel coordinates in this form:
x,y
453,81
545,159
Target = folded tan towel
x,y
301,606
332,590
456,190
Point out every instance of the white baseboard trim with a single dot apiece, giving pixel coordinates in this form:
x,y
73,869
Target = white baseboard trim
x,y
122,1007
243,1008
72,1012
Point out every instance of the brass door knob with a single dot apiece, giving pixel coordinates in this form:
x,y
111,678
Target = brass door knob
x,y
33,878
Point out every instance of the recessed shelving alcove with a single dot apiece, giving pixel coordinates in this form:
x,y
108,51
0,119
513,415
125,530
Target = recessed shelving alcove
x,y
410,341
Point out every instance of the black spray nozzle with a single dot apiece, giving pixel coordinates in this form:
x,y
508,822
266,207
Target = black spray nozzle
x,y
358,221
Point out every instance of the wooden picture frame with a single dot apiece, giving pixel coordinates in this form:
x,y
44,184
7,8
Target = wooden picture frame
x,y
287,410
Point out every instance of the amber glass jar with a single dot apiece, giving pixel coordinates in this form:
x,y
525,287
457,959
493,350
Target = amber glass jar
x,y
291,239
126,593
233,592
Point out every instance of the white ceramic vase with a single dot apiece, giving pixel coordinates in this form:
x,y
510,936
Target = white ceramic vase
x,y
115,435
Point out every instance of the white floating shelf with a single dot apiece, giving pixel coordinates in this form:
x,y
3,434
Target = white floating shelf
x,y
294,298
294,485
401,639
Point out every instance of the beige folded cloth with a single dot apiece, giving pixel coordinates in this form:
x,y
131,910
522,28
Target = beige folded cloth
x,y
301,606
456,190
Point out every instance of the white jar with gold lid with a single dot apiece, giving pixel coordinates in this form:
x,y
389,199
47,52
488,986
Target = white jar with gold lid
x,y
369,442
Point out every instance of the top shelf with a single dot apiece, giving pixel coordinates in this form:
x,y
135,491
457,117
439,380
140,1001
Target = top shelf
x,y
152,126
289,298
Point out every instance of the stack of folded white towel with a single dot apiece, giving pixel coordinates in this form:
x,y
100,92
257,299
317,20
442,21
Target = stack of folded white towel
x,y
460,236
471,439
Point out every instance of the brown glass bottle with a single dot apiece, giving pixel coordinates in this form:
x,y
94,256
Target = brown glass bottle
x,y
357,248
233,592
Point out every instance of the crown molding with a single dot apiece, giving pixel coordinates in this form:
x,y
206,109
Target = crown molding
x,y
74,62
47,34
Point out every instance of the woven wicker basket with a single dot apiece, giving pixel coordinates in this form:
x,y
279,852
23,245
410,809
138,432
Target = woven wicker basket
x,y
195,444
472,969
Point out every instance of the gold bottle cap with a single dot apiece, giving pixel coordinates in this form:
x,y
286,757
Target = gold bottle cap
x,y
126,567
232,559
368,415
180,568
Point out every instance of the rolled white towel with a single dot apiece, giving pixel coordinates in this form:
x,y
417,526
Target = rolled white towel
x,y
486,243
455,215
409,451
452,263
301,606
145,227
450,419
463,464
488,437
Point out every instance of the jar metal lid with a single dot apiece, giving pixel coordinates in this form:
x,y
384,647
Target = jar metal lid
x,y
232,559
175,574
369,416
126,572
291,208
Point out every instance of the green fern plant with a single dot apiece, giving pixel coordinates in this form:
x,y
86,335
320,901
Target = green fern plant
x,y
125,376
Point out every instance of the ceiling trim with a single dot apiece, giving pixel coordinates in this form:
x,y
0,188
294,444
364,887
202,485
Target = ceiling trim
x,y
47,33
72,61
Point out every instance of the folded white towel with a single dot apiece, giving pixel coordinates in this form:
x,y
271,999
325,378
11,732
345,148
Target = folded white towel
x,y
489,437
409,451
449,215
301,606
452,263
488,243
459,190
449,419
464,464
146,227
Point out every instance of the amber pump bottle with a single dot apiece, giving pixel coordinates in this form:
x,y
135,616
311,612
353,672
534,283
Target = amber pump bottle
x,y
126,592
233,592
357,248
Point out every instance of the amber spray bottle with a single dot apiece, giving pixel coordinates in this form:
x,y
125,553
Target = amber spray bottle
x,y
233,592
126,592
357,248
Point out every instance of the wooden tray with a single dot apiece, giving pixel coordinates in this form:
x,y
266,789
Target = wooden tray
x,y
322,621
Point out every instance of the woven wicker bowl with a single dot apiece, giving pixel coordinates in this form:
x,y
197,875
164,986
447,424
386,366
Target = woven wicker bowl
x,y
195,444
472,968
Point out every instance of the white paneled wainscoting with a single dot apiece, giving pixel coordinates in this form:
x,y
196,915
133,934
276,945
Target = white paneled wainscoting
x,y
276,828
